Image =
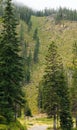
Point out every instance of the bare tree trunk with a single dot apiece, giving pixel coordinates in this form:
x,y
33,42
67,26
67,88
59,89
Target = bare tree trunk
x,y
54,122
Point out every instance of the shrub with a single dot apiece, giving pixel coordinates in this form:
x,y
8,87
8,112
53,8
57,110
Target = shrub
x,y
2,120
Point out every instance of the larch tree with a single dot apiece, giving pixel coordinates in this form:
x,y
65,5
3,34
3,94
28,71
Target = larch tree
x,y
55,90
11,72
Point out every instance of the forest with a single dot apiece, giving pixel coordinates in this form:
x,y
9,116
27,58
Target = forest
x,y
38,67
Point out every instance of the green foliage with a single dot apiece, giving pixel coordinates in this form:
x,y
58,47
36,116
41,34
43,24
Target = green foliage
x,y
25,13
27,61
35,35
27,110
74,82
11,73
50,81
13,126
65,103
55,90
36,51
66,14
16,126
29,25
2,120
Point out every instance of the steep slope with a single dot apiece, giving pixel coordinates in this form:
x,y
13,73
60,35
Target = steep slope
x,y
64,34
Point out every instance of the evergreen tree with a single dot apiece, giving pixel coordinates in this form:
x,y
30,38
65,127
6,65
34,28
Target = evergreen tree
x,y
65,104
35,35
50,81
29,25
36,51
27,61
74,84
55,90
11,73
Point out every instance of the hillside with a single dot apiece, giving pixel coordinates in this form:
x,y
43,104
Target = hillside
x,y
63,33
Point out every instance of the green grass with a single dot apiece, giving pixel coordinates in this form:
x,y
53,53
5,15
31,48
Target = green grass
x,y
40,121
13,126
44,120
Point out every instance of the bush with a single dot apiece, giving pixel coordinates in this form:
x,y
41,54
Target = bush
x,y
16,126
2,120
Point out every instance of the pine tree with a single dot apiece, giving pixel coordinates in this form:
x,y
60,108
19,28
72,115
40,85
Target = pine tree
x,y
11,73
50,97
65,104
55,90
74,82
35,35
36,50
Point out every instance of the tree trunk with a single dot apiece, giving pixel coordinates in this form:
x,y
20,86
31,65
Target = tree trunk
x,y
57,121
54,122
15,111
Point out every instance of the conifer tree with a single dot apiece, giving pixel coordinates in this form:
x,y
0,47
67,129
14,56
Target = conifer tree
x,y
35,35
55,90
11,73
36,50
74,82
65,103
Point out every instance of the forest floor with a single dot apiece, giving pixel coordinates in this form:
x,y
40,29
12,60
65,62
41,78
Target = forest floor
x,y
38,123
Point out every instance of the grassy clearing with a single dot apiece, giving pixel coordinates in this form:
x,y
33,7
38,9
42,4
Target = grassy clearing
x,y
40,121
47,121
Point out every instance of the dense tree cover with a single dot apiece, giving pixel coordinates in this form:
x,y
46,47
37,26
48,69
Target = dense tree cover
x,y
25,13
55,93
27,57
1,10
11,72
74,82
66,14
45,12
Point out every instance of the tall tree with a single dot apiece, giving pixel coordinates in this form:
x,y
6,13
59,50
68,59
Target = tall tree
x,y
50,97
36,51
55,90
74,82
11,73
35,35
65,104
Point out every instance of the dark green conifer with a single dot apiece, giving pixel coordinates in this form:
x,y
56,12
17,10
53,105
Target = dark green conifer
x,y
74,83
11,73
35,35
36,51
55,90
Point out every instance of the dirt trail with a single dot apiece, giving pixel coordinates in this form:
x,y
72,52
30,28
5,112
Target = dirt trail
x,y
38,127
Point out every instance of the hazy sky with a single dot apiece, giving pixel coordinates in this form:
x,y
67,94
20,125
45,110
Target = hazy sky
x,y
41,4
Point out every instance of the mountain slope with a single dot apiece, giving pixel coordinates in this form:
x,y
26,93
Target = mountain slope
x,y
64,34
